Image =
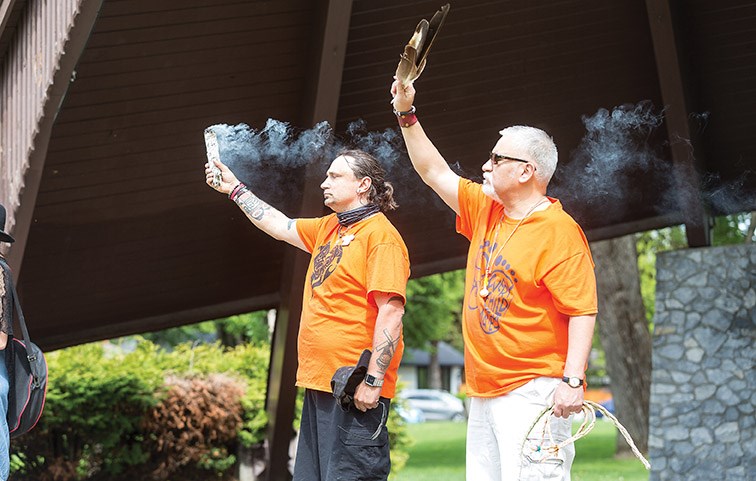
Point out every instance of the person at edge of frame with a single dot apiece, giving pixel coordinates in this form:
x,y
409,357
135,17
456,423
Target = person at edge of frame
x,y
353,300
6,321
530,299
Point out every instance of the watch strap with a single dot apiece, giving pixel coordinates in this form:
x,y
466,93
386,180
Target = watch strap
x,y
373,381
573,382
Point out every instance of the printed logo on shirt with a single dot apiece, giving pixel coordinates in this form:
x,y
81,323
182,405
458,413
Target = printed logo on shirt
x,y
324,263
492,308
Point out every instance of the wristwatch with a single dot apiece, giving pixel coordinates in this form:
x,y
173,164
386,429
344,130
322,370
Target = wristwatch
x,y
573,381
373,381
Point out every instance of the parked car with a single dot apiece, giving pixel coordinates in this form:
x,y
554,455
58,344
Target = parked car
x,y
435,404
410,415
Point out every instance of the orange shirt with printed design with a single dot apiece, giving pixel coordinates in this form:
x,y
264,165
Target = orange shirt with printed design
x,y
338,310
538,278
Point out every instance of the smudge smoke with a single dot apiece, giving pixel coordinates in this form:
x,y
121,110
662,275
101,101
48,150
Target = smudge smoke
x,y
614,167
270,160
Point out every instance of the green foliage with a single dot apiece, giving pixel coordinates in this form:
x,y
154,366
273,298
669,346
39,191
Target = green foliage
x,y
245,360
250,328
648,244
596,372
399,438
96,401
731,229
433,310
438,453
100,396
217,460
168,338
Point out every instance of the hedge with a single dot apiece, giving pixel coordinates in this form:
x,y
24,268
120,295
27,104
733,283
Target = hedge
x,y
147,413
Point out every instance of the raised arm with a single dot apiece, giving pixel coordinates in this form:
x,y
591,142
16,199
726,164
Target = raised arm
x,y
425,158
268,219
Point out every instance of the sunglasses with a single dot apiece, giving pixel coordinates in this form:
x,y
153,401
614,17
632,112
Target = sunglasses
x,y
496,158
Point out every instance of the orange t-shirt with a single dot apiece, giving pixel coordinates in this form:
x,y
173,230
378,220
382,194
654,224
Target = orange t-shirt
x,y
338,310
539,278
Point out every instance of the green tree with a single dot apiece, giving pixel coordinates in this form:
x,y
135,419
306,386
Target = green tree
x,y
251,328
648,244
627,290
727,230
432,315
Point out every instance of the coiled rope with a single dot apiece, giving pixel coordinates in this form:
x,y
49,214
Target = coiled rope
x,y
589,421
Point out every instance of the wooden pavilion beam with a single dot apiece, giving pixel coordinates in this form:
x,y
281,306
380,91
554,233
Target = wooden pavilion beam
x,y
62,77
93,333
321,103
675,86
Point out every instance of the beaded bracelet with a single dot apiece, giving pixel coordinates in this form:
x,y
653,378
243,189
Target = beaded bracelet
x,y
406,119
240,193
237,191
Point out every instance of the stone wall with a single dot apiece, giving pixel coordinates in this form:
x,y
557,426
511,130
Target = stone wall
x,y
702,412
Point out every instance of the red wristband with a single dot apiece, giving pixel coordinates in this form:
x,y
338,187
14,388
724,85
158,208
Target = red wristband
x,y
406,119
236,191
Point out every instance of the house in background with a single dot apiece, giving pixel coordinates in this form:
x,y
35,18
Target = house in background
x,y
414,369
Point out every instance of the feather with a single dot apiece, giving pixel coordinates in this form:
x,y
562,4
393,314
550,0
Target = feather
x,y
412,61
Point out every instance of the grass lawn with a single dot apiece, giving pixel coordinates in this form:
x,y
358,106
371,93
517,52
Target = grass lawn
x,y
439,455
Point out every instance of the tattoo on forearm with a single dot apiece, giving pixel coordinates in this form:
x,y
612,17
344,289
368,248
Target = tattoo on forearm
x,y
252,206
291,223
386,352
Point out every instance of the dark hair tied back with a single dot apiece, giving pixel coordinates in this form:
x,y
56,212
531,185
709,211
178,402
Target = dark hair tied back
x,y
365,165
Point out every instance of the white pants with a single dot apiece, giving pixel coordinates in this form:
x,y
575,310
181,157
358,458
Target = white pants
x,y
496,430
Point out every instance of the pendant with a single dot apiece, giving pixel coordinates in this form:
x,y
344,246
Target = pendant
x,y
347,239
484,292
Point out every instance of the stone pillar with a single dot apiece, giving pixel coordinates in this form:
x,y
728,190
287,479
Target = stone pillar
x,y
702,413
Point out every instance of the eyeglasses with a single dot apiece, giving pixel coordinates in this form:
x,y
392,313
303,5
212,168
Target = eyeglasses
x,y
496,158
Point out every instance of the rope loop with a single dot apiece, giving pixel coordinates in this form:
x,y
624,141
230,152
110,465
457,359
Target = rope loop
x,y
589,421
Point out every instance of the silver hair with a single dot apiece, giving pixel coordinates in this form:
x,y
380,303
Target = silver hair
x,y
539,146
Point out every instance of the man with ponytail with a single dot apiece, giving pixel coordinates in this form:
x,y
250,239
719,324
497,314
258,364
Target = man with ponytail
x,y
353,300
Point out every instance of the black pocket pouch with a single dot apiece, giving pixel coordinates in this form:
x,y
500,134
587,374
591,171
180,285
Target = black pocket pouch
x,y
364,446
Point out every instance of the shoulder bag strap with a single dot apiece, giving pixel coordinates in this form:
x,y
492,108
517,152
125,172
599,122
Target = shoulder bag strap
x,y
30,351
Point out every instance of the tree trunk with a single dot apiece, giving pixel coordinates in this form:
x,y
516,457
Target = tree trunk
x,y
434,369
624,334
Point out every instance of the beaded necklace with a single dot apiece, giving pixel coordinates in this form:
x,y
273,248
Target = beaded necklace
x,y
484,292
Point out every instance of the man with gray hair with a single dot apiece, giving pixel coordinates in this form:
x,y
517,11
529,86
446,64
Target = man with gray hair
x,y
530,300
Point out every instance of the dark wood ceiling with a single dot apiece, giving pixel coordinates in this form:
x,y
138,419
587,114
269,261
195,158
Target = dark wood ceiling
x,y
126,237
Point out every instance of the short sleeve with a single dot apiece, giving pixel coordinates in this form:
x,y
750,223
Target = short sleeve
x,y
471,202
572,284
308,231
387,270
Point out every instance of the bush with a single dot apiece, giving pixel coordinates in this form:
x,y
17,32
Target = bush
x,y
150,414
112,414
196,424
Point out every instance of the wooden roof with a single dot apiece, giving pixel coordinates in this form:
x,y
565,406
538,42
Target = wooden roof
x,y
126,237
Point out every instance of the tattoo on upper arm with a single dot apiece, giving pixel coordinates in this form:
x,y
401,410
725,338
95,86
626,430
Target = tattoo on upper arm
x,y
252,206
386,352
291,223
